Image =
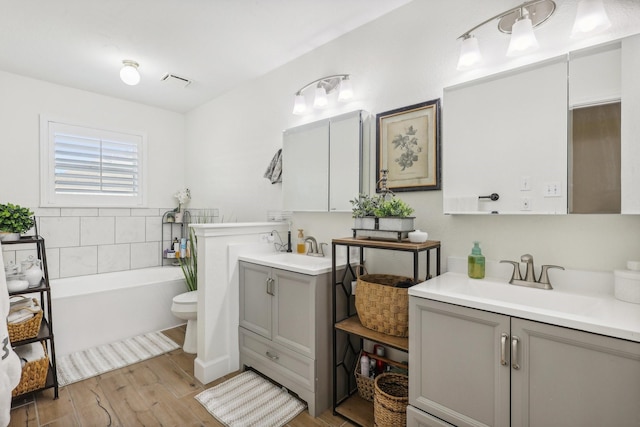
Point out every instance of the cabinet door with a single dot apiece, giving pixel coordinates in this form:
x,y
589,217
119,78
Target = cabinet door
x,y
456,357
294,311
344,161
573,378
255,298
305,168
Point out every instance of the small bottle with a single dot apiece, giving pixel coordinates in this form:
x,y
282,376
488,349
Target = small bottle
x,y
300,248
176,247
364,365
188,248
476,262
183,247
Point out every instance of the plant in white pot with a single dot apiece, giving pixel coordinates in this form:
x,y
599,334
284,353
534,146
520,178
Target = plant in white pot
x,y
364,211
14,220
394,215
183,196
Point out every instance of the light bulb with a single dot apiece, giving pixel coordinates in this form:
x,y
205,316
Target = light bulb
x,y
299,105
522,38
129,73
469,53
320,101
346,91
591,17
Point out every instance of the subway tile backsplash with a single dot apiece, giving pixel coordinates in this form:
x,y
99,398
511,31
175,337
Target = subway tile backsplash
x,y
82,241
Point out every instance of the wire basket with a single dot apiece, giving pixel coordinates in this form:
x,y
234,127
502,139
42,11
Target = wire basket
x,y
381,306
391,398
34,375
27,328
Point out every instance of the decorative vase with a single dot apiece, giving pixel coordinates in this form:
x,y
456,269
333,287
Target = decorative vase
x,y
5,236
32,271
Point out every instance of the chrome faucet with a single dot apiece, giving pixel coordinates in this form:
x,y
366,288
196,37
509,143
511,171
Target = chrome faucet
x,y
529,277
314,250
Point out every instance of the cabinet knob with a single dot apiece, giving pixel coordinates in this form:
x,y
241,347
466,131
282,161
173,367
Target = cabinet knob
x,y
271,356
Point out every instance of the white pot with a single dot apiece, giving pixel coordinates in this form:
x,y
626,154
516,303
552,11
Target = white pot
x,y
7,237
395,224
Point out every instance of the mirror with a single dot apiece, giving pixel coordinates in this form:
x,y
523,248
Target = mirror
x,y
322,163
529,136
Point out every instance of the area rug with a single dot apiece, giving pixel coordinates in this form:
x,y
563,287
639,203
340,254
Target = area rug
x,y
85,364
250,400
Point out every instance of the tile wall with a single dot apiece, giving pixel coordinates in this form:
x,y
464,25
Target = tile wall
x,y
101,240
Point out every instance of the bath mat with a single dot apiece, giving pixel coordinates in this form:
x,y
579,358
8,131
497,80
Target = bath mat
x,y
250,400
85,364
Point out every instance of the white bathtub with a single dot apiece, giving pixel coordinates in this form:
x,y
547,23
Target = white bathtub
x,y
98,309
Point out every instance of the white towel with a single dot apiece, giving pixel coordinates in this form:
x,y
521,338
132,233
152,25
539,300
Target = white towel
x,y
10,368
20,316
274,170
30,352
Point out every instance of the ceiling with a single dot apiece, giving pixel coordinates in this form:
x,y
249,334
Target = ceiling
x,y
217,44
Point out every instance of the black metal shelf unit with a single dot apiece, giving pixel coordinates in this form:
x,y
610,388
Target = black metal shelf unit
x,y
349,333
46,326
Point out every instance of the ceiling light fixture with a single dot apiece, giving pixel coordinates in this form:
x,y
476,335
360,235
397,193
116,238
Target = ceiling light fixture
x,y
324,87
591,17
518,21
129,72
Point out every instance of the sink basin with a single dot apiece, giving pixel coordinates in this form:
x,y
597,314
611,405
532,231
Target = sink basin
x,y
299,263
553,300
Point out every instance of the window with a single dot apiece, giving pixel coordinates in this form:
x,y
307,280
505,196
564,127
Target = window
x,y
90,167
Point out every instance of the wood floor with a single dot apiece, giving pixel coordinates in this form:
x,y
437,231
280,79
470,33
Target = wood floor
x,y
157,392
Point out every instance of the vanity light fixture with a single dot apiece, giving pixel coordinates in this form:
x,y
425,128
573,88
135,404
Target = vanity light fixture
x,y
323,87
518,21
591,17
129,72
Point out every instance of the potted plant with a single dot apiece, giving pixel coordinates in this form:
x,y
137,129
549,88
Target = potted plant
x,y
183,196
14,220
364,211
393,215
189,264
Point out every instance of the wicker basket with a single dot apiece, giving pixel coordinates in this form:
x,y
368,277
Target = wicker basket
x,y
381,306
28,328
365,385
390,400
34,375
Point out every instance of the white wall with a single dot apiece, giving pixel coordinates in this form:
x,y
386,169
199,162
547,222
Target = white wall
x,y
24,99
403,58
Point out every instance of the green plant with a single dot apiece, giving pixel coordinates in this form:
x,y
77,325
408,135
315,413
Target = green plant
x,y
365,205
393,207
15,219
189,265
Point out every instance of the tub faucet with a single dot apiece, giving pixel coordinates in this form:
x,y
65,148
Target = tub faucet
x,y
529,276
314,250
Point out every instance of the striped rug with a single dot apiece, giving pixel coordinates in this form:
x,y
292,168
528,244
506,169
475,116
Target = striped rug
x,y
85,364
250,400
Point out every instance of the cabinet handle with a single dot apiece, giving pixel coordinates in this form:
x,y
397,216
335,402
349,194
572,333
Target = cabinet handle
x,y
270,286
503,349
271,356
514,352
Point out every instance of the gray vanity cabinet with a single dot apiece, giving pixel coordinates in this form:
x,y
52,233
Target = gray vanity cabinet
x,y
285,330
467,370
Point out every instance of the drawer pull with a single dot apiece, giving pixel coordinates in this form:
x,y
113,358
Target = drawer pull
x,y
272,356
514,352
503,349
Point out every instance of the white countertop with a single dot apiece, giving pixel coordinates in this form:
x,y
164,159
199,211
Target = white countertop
x,y
298,263
599,313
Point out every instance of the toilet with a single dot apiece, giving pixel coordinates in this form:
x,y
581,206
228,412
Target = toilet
x,y
185,307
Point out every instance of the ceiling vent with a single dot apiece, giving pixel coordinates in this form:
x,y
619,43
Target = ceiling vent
x,y
176,81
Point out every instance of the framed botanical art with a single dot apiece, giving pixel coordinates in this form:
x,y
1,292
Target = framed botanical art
x,y
408,147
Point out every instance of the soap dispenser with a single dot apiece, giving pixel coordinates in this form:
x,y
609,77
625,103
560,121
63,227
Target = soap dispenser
x,y
300,247
476,262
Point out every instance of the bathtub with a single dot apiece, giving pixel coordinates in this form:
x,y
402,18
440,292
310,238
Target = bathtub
x,y
98,309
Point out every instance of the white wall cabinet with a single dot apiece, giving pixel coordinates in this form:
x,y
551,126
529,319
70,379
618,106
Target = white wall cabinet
x,y
476,368
322,164
285,330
